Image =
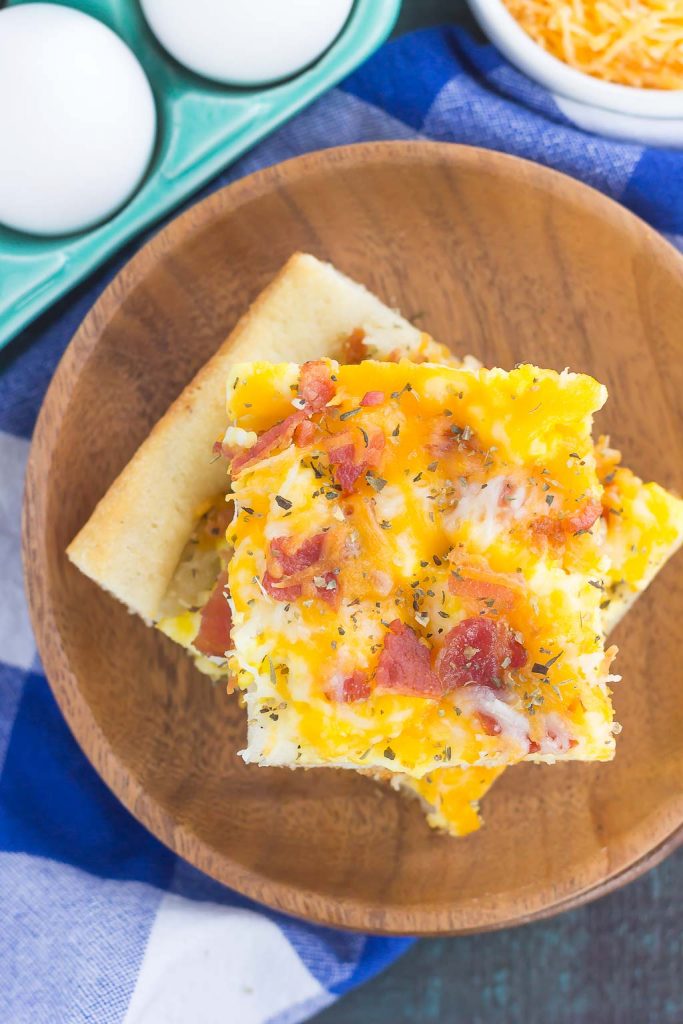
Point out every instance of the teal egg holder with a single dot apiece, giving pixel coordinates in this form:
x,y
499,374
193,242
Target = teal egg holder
x,y
201,127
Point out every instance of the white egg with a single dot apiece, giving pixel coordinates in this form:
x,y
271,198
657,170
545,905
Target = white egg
x,y
77,120
246,42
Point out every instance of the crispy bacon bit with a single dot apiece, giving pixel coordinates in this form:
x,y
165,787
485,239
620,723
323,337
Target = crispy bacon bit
x,y
305,433
269,441
356,687
474,651
316,386
350,458
372,398
372,455
489,724
557,528
327,588
483,592
295,571
534,747
405,664
213,638
288,559
354,349
344,466
279,589
586,517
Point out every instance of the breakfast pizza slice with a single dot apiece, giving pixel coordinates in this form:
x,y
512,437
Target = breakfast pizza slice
x,y
415,552
643,530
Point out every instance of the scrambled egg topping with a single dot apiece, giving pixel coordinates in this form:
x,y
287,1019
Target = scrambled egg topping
x,y
425,524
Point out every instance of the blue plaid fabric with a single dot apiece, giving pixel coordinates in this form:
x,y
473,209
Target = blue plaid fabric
x,y
98,921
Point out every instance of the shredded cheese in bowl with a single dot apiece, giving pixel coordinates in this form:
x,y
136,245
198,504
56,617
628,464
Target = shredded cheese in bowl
x,y
631,42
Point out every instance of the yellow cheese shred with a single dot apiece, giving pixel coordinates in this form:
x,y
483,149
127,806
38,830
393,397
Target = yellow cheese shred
x,y
631,42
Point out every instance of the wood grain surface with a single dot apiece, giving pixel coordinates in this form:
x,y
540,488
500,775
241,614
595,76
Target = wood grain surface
x,y
494,256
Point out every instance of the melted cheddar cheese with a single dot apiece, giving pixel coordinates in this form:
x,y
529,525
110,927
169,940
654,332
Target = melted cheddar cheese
x,y
475,510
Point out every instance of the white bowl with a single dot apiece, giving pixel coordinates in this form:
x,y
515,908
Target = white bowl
x,y
650,116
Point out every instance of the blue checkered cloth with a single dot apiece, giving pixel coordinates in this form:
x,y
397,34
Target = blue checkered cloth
x,y
98,921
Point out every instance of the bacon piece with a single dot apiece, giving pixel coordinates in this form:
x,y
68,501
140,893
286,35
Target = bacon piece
x,y
288,559
557,528
316,386
474,651
213,637
326,591
350,459
586,517
344,466
354,349
356,687
269,441
483,591
305,433
372,455
280,590
372,398
405,664
289,573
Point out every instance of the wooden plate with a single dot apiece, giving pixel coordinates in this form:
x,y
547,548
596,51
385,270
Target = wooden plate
x,y
495,256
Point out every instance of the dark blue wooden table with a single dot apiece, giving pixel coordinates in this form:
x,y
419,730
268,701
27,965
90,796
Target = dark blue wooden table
x,y
616,961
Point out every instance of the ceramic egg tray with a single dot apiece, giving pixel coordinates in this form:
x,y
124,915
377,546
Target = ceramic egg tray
x,y
201,127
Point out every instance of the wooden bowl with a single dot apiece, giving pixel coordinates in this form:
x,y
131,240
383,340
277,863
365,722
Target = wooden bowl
x,y
495,256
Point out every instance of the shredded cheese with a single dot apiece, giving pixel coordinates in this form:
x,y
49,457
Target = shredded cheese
x,y
632,42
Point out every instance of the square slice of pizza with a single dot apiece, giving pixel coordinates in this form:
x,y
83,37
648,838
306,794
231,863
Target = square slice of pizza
x,y
644,529
416,549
